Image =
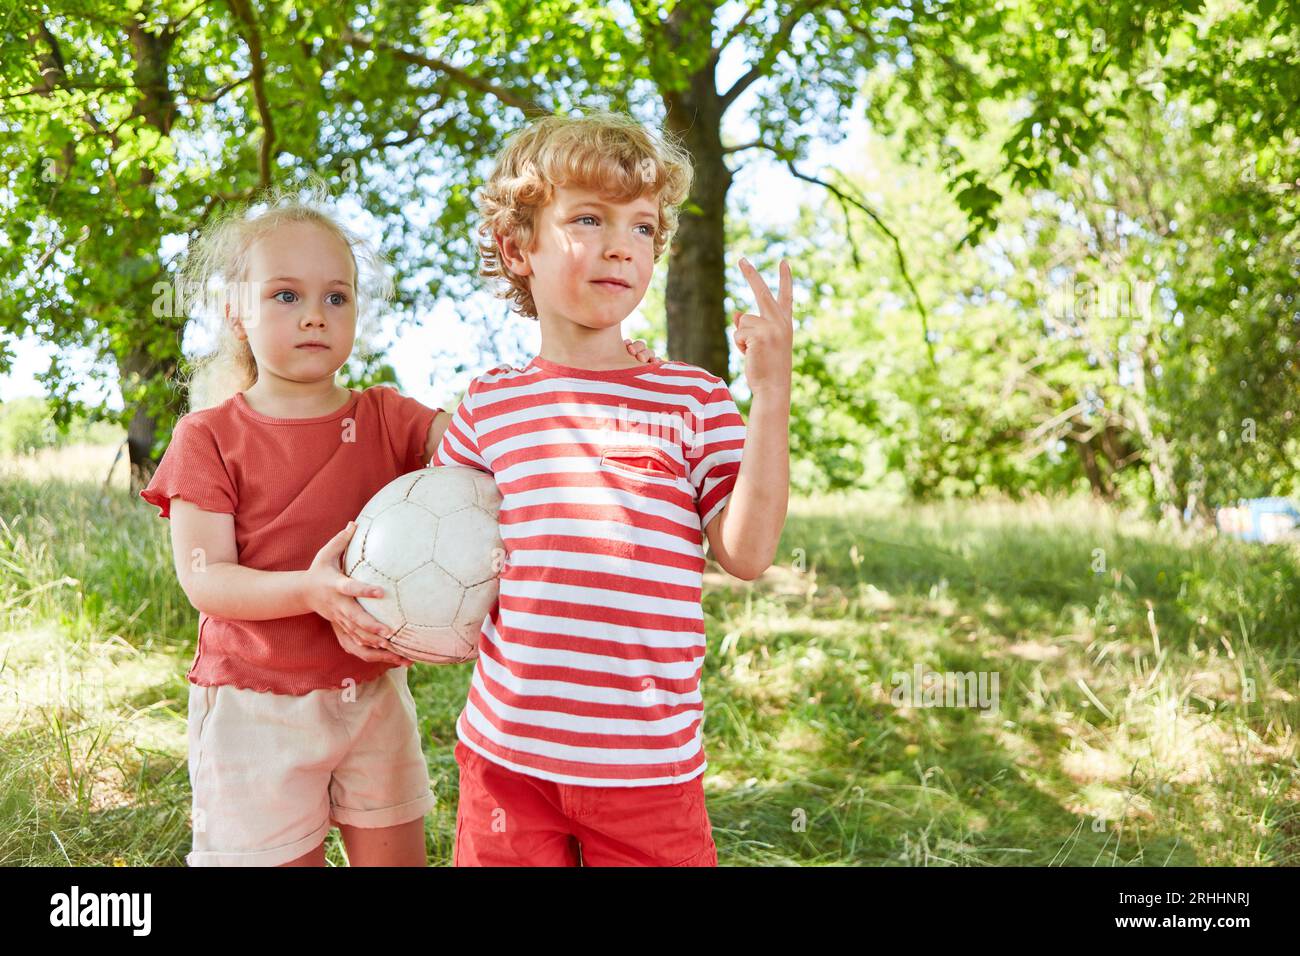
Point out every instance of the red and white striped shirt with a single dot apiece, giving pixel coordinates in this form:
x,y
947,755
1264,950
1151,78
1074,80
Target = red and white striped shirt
x,y
589,666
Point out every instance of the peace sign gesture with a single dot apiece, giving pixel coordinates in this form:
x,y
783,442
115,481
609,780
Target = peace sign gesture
x,y
767,339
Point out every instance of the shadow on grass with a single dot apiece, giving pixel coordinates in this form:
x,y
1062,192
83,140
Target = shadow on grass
x,y
886,787
1033,573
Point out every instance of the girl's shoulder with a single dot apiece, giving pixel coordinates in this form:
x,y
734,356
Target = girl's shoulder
x,y
389,397
217,418
380,393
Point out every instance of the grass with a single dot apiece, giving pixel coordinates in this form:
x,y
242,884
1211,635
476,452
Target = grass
x,y
1146,706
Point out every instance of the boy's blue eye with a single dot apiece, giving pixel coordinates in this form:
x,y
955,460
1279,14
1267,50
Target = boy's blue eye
x,y
286,292
650,230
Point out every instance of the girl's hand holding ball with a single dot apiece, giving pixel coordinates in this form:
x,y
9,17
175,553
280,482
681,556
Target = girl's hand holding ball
x,y
332,594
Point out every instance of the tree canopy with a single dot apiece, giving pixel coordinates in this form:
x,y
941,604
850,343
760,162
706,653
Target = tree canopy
x,y
1114,269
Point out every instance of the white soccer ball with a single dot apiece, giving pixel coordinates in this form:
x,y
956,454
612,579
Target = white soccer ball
x,y
430,540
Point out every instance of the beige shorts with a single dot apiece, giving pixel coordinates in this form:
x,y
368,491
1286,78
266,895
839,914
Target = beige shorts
x,y
270,773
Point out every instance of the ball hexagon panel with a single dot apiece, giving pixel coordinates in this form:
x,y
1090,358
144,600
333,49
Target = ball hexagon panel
x,y
434,645
476,605
469,546
390,494
400,539
470,633
446,490
487,492
430,597
353,557
386,610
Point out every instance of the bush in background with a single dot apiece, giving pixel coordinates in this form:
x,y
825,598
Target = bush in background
x,y
27,426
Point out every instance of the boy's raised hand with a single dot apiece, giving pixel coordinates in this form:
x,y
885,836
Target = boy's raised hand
x,y
767,339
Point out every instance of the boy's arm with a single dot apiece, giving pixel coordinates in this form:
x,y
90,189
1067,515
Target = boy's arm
x,y
744,535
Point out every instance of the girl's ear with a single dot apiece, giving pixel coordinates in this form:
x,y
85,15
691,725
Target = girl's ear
x,y
512,256
236,325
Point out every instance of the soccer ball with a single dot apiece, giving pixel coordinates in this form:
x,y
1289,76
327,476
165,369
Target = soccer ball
x,y
430,540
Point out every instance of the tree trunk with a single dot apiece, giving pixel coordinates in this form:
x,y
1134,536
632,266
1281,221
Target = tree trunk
x,y
697,325
137,369
142,372
1101,487
140,433
1159,456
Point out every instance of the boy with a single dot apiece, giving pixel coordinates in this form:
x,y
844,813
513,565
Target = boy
x,y
581,737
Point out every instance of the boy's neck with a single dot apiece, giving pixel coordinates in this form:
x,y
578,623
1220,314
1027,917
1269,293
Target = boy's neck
x,y
574,345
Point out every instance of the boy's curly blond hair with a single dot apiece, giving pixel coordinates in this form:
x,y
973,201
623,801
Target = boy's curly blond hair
x,y
609,153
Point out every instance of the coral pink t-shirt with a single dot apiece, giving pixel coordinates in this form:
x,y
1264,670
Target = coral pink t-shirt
x,y
292,484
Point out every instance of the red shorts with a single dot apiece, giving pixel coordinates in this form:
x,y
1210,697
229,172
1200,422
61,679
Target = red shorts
x,y
505,818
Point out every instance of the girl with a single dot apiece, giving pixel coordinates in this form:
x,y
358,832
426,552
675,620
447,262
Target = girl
x,y
299,718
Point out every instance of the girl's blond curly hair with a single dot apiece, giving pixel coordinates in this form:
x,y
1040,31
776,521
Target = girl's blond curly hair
x,y
216,263
609,153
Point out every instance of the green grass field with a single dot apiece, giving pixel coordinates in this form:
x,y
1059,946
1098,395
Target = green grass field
x,y
1146,707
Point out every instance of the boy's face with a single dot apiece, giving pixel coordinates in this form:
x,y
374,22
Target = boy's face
x,y
591,259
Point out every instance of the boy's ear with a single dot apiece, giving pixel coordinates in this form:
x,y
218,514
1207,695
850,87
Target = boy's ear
x,y
512,256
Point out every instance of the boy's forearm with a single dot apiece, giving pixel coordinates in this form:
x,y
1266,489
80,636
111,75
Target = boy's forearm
x,y
235,592
751,524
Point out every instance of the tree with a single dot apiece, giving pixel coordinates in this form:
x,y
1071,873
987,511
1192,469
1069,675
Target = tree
x,y
149,115
1131,327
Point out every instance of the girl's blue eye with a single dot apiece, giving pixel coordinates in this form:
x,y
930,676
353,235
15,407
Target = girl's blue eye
x,y
580,218
651,229
286,292
342,299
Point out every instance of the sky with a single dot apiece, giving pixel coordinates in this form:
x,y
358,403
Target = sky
x,y
424,352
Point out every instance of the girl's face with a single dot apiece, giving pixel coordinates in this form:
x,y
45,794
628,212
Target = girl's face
x,y
298,307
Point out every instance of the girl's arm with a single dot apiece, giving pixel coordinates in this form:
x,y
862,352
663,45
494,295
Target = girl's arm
x,y
440,423
207,565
